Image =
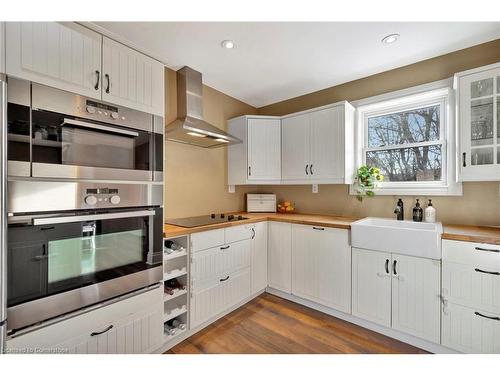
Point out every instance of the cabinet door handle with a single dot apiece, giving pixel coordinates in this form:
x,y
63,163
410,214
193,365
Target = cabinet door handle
x,y
464,159
387,266
490,250
307,173
318,228
249,170
225,247
253,233
488,272
101,332
311,169
394,267
486,316
98,74
224,279
108,82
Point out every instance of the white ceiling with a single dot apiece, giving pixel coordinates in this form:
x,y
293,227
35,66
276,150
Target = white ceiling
x,y
279,60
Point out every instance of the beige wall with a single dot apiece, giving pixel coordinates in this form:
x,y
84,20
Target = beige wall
x,y
196,178
480,204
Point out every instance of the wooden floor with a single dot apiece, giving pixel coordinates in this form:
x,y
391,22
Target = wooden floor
x,y
269,324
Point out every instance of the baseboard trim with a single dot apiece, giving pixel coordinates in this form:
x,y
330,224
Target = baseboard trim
x,y
412,340
171,343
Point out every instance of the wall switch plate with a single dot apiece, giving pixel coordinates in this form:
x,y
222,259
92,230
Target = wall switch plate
x,y
315,188
231,189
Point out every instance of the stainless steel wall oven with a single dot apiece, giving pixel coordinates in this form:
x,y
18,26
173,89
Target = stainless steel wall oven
x,y
65,135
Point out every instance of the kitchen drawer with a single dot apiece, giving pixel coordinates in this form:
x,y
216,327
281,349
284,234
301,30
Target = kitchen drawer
x,y
471,286
206,268
238,233
466,331
236,256
63,334
473,253
207,239
237,287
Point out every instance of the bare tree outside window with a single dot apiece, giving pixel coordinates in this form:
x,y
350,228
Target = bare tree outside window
x,y
406,145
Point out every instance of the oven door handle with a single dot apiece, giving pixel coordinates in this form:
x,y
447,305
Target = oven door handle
x,y
84,124
75,219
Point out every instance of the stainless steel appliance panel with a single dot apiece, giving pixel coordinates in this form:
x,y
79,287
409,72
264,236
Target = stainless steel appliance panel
x,y
46,170
55,100
49,307
42,196
3,213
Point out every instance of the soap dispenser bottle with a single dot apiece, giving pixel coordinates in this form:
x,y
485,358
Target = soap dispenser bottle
x,y
430,213
418,212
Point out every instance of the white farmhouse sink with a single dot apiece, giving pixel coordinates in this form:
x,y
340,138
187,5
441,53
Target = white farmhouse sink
x,y
401,237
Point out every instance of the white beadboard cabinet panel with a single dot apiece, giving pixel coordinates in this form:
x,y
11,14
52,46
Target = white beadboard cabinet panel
x,y
280,256
321,266
62,55
327,144
264,149
416,285
236,288
137,327
468,332
235,256
473,253
207,239
205,304
471,286
238,233
206,268
132,79
259,257
295,147
371,286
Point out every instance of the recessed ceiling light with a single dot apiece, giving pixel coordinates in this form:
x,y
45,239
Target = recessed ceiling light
x,y
221,140
391,38
196,134
229,44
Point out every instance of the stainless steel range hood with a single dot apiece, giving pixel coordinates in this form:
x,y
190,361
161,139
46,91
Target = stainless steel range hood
x,y
190,127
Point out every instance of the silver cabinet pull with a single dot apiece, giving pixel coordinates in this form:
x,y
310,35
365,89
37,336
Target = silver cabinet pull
x,y
488,272
490,250
486,316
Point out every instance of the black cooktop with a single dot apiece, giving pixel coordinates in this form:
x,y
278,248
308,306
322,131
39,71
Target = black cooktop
x,y
199,221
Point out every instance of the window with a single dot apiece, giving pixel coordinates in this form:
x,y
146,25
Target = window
x,y
408,135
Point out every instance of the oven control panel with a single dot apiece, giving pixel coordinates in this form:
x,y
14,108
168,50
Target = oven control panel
x,y
96,196
101,109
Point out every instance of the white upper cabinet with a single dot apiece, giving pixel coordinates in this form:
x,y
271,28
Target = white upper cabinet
x,y
71,57
317,146
295,147
131,79
257,160
62,55
479,123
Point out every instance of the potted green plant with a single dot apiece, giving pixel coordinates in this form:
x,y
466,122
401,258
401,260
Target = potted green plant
x,y
366,180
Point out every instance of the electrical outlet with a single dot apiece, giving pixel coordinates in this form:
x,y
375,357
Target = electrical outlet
x,y
231,189
315,188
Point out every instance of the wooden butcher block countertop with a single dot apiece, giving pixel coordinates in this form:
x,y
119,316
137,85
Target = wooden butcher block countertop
x,y
320,220
467,233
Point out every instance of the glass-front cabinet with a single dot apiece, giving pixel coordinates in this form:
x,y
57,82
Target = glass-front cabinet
x,y
479,123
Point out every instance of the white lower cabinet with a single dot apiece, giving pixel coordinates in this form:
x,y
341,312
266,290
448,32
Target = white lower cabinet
x,y
133,325
321,266
259,257
371,286
397,291
280,256
416,303
470,331
220,278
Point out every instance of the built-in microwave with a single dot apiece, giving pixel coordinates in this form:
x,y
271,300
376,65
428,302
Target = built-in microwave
x,y
56,134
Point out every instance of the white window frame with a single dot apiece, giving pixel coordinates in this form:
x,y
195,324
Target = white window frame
x,y
435,93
